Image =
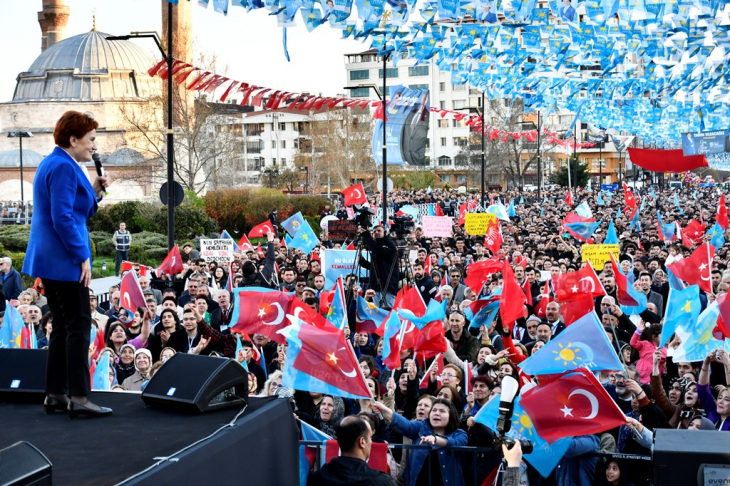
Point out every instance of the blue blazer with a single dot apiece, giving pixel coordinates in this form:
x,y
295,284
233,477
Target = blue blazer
x,y
63,200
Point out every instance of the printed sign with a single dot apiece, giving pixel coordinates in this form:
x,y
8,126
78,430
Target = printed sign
x,y
438,226
219,251
477,223
341,230
598,255
340,263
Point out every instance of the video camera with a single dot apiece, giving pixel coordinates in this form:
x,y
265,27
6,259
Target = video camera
x,y
402,225
504,422
363,215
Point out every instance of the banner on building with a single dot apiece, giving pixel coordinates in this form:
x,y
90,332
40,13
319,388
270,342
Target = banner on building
x,y
406,127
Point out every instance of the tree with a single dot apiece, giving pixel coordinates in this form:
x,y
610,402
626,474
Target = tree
x,y
288,179
204,143
579,174
335,145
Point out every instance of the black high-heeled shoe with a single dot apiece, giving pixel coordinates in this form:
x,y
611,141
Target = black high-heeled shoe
x,y
75,409
52,405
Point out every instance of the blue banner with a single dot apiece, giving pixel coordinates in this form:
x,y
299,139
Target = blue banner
x,y
406,127
339,263
715,142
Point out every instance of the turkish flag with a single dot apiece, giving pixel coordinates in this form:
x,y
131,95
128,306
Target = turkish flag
x,y
569,198
462,215
574,404
629,199
479,272
694,231
572,285
622,285
262,313
306,313
512,301
439,211
527,290
410,298
172,264
577,308
722,331
354,195
245,244
696,269
326,355
721,216
437,365
130,293
493,238
261,230
431,340
541,307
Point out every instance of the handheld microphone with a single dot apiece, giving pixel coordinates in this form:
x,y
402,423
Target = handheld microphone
x,y
97,162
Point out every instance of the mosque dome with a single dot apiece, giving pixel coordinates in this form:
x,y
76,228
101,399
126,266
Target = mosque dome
x,y
11,158
88,67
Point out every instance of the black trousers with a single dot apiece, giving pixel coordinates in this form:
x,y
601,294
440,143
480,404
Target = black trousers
x,y
68,348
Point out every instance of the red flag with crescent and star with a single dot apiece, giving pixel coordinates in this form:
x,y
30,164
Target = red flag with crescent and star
x,y
541,307
512,300
245,244
694,232
721,216
172,264
574,404
696,269
130,293
261,230
262,313
572,285
354,195
493,237
569,198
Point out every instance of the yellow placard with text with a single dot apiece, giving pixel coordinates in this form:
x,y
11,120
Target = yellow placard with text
x,y
598,255
476,224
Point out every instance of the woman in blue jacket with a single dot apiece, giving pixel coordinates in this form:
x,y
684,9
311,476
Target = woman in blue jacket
x,y
59,252
439,430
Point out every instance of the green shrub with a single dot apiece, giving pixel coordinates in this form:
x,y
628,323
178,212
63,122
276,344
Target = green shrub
x,y
137,255
190,221
314,223
157,253
105,247
15,237
93,249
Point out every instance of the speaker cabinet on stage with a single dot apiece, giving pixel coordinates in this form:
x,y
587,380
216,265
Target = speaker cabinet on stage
x,y
679,455
193,383
23,373
22,464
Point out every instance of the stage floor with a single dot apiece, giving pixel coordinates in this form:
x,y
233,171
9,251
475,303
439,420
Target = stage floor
x,y
101,451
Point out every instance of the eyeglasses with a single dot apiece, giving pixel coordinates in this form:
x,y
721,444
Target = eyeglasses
x,y
274,384
448,375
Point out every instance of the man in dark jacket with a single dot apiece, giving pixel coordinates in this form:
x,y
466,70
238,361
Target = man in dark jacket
x,y
264,278
10,279
383,265
354,436
424,284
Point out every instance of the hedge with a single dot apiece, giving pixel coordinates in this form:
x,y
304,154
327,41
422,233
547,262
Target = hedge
x,y
239,210
15,237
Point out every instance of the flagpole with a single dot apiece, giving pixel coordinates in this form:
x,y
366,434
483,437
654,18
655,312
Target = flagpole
x,y
385,146
539,156
483,160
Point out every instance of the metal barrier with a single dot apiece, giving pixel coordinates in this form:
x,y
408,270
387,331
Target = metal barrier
x,y
478,455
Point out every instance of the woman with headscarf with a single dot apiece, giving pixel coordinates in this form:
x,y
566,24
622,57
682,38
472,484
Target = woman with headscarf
x,y
142,365
124,362
330,412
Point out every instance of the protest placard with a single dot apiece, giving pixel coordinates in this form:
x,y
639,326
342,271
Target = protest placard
x,y
340,263
216,250
438,226
341,230
598,255
477,223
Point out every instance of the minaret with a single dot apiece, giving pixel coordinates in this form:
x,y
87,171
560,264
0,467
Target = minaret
x,y
182,24
53,19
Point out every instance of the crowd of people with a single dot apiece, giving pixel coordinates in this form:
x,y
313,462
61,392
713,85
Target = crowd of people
x,y
15,212
191,312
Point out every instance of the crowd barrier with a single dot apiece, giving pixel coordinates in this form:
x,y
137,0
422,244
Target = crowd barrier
x,y
479,456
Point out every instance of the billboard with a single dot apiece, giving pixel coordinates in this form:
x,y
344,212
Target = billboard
x,y
701,143
406,127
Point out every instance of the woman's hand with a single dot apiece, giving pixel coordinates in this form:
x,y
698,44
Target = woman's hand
x,y
85,278
101,183
382,409
390,386
413,371
656,358
634,424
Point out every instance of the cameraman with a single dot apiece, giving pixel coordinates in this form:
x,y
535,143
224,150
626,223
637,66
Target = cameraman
x,y
384,273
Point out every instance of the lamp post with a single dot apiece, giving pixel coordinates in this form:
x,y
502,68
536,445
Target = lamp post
x,y
484,162
306,180
170,138
20,135
272,173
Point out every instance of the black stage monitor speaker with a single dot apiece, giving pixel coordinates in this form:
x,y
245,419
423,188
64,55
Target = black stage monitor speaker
x,y
679,455
22,464
193,383
23,373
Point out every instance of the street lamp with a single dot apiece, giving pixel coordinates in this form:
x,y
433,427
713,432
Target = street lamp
x,y
20,135
272,173
306,180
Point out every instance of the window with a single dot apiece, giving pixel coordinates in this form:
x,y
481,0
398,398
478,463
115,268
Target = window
x,y
459,104
283,161
360,92
460,141
443,141
458,87
460,178
283,144
359,74
369,58
443,123
444,160
418,71
418,86
442,87
390,72
455,123
273,161
273,144
442,105
282,126
444,178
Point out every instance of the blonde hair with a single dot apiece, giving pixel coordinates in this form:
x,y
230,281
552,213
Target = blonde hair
x,y
273,376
